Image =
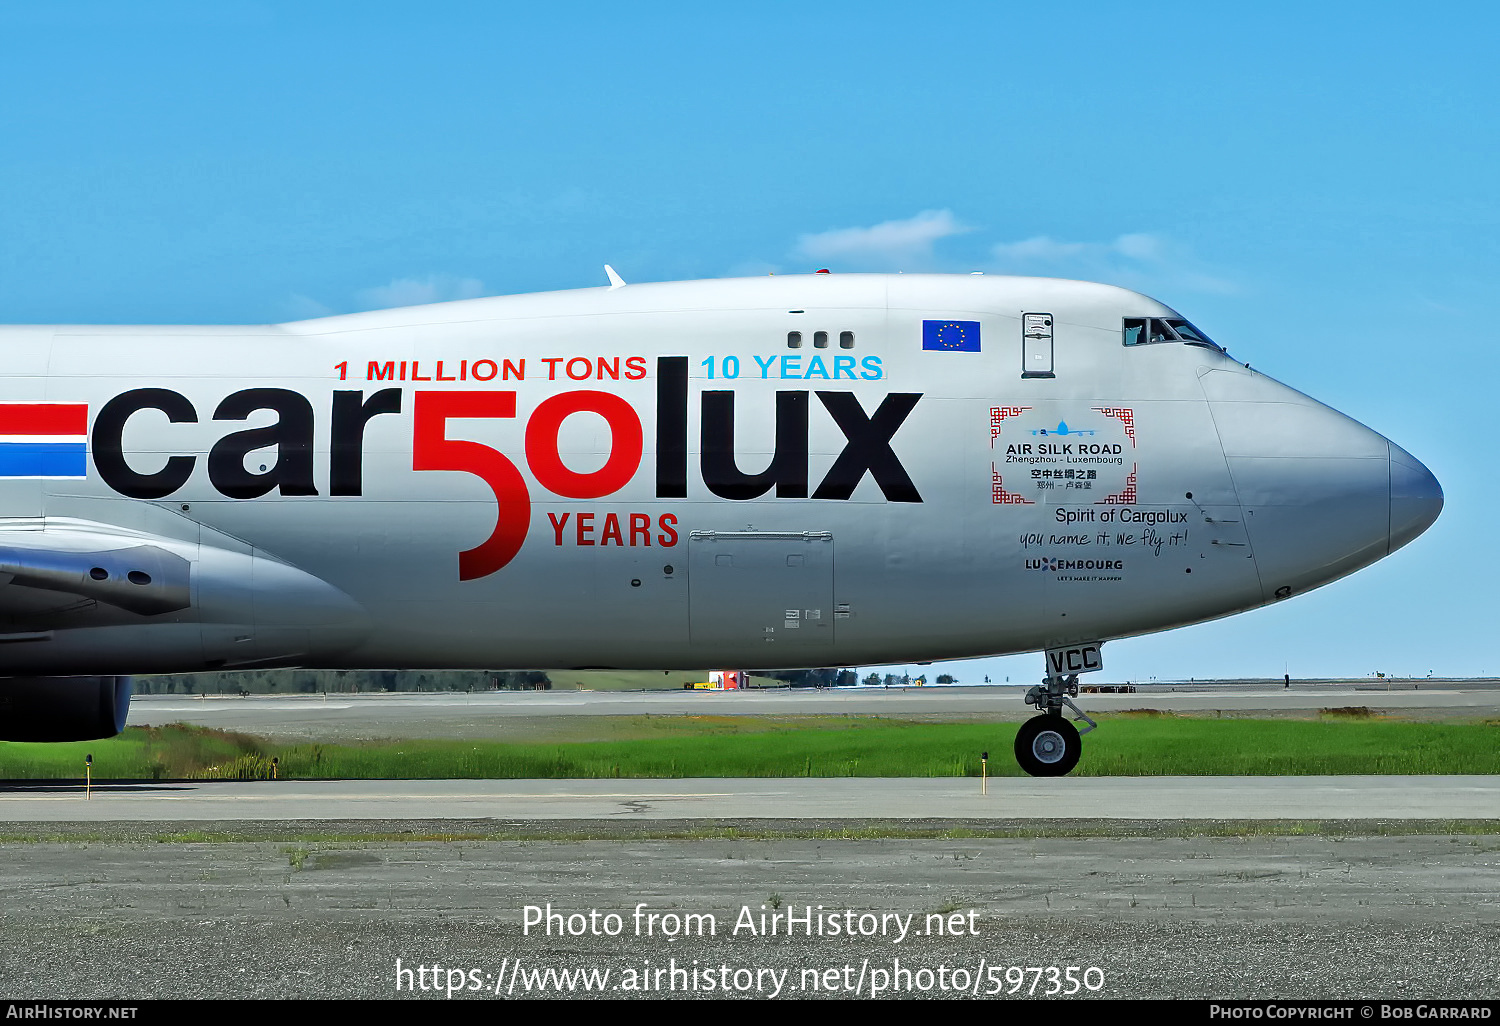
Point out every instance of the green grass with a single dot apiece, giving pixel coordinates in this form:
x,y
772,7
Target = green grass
x,y
691,746
151,753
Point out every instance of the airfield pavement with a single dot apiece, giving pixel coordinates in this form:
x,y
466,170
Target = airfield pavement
x,y
1350,887
1333,916
785,798
510,715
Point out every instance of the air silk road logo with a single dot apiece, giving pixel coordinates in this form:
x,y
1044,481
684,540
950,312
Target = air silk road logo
x,y
867,448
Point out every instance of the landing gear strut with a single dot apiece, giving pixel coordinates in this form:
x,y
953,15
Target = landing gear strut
x,y
1048,745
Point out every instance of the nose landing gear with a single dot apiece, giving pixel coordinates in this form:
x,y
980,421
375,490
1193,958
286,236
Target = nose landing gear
x,y
1048,745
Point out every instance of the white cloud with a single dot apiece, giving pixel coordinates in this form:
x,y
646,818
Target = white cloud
x,y
435,288
1136,260
298,307
889,243
1147,261
1140,246
1039,249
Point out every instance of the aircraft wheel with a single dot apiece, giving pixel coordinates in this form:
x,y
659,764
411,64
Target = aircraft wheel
x,y
1048,746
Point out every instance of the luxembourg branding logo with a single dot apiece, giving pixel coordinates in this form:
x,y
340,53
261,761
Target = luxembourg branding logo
x,y
1053,565
44,440
292,470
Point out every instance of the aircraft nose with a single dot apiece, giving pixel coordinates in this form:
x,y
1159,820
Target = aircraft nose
x,y
1323,495
1416,497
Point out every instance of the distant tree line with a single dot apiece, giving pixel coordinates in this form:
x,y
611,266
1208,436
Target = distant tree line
x,y
823,678
291,682
311,682
904,680
843,678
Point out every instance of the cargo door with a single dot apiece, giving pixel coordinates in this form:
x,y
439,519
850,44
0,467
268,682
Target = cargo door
x,y
765,596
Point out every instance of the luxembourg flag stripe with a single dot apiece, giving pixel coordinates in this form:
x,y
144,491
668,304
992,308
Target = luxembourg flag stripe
x,y
44,418
43,440
45,459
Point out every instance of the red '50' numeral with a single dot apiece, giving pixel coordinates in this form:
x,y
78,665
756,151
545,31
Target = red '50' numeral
x,y
432,449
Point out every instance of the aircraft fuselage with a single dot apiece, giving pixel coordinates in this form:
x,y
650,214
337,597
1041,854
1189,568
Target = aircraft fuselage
x,y
789,471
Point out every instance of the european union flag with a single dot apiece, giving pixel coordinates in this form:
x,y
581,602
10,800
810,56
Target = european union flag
x,y
951,336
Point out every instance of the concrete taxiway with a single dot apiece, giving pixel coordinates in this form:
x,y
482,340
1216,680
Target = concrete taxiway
x,y
816,798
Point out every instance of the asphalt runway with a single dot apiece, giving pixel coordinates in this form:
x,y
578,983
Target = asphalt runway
x,y
1326,887
816,798
511,714
1242,917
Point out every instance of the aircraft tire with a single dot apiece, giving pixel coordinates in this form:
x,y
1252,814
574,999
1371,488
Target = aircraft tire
x,y
1048,746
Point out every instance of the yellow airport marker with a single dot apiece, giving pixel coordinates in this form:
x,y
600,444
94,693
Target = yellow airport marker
x,y
984,772
88,775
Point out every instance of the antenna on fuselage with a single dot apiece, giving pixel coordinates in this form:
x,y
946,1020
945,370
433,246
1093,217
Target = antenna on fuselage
x,y
615,281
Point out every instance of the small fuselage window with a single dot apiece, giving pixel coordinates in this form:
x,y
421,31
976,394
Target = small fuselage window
x,y
1140,331
820,339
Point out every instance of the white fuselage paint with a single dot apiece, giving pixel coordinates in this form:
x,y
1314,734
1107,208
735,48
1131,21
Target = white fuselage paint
x,y
1139,488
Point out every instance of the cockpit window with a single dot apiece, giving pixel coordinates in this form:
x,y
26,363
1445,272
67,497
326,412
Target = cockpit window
x,y
1150,330
1188,333
1160,332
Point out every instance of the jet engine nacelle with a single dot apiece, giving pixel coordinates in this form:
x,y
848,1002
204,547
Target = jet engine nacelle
x,y
82,597
63,708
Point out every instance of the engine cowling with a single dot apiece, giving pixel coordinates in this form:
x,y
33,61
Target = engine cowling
x,y
84,597
63,708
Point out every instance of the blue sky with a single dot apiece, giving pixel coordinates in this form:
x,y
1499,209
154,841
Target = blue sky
x,y
1315,185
